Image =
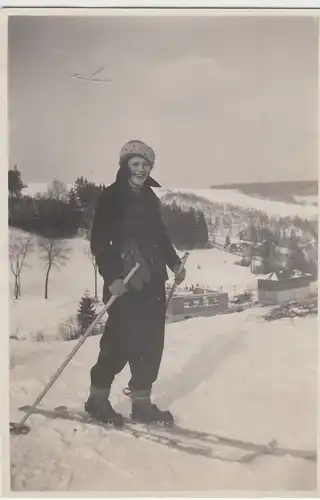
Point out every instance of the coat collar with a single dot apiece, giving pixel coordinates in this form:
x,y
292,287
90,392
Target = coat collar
x,y
152,182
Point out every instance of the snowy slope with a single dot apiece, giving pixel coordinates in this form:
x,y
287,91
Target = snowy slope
x,y
242,389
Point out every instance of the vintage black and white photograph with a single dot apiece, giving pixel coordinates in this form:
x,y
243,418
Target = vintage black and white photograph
x,y
163,251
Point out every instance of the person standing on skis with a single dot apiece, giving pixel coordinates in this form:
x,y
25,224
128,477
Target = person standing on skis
x,y
128,228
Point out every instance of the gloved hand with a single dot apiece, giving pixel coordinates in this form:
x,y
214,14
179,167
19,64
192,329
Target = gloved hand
x,y
179,275
118,288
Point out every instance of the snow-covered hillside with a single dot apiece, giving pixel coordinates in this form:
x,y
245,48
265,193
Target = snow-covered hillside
x,y
243,391
227,196
238,199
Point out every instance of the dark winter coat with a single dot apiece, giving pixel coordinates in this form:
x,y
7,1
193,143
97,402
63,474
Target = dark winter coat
x,y
110,228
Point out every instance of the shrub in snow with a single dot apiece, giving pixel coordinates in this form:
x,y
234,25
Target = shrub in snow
x,y
39,336
86,312
69,329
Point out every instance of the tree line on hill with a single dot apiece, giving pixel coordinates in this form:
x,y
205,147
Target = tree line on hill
x,y
252,224
60,212
186,228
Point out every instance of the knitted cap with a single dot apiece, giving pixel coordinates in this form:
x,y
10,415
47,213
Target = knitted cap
x,y
137,148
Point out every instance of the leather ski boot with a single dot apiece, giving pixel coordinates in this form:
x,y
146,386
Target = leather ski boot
x,y
99,407
144,411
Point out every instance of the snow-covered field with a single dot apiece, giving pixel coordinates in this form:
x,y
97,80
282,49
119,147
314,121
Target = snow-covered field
x,y
243,391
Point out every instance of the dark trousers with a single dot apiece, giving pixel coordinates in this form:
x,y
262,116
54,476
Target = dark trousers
x,y
134,334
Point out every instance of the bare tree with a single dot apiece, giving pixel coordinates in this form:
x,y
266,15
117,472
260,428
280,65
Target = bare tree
x,y
58,191
95,270
55,253
19,247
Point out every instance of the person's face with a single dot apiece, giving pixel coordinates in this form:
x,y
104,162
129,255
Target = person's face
x,y
140,170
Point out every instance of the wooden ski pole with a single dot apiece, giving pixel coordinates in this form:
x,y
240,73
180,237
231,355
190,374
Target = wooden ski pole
x,y
20,428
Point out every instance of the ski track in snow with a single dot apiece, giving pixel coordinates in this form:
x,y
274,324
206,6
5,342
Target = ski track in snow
x,y
201,365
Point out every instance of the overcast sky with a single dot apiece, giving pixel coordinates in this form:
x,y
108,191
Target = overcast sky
x,y
221,99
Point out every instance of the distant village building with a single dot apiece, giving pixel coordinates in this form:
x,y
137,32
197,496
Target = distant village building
x,y
200,303
281,291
